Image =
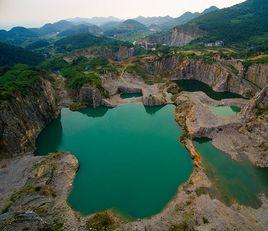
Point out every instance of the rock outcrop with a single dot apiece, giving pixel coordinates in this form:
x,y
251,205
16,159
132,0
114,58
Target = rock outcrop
x,y
232,134
220,75
22,119
38,201
181,37
260,99
129,89
257,73
91,96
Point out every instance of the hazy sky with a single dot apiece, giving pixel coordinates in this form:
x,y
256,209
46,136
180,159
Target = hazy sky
x,y
37,12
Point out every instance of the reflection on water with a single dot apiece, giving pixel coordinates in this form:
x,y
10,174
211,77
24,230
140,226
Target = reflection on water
x,y
91,112
194,85
130,95
50,138
153,110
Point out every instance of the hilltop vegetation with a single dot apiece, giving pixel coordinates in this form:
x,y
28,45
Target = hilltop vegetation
x,y
245,24
18,80
10,55
87,40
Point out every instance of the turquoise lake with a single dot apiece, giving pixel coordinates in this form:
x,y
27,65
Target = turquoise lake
x,y
130,157
223,111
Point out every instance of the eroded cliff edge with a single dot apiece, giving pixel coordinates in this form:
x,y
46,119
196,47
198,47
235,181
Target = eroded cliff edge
x,y
23,117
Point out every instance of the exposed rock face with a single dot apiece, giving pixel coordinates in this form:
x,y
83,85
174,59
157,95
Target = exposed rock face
x,y
257,73
38,199
124,52
232,134
152,96
23,118
181,37
260,99
221,75
127,89
91,96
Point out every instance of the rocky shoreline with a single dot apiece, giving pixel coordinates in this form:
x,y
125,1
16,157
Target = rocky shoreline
x,y
36,197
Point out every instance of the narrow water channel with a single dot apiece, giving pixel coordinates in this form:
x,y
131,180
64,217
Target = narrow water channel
x,y
238,181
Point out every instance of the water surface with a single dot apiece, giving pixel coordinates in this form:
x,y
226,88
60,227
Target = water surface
x,y
223,111
238,181
130,95
130,157
195,85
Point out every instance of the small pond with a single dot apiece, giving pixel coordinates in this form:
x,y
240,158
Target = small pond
x,y
223,111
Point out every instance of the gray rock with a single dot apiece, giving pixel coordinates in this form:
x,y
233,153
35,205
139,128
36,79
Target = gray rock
x,y
91,96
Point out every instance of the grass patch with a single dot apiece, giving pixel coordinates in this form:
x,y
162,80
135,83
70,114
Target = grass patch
x,y
100,221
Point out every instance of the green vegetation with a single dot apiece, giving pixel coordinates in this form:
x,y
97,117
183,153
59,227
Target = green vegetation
x,y
244,25
100,222
138,69
76,78
10,55
86,40
54,64
18,80
182,227
98,65
37,44
81,71
248,62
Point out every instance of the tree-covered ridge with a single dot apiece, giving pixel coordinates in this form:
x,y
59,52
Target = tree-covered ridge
x,y
242,24
81,71
87,40
10,55
18,81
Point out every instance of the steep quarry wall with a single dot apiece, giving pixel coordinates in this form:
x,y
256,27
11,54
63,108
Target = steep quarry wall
x,y
181,37
22,119
257,73
220,75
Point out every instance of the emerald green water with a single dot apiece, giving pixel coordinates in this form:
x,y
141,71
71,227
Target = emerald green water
x,y
130,157
225,110
130,95
233,180
195,85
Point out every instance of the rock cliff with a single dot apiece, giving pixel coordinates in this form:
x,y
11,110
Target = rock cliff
x,y
22,119
37,198
220,75
257,73
181,37
91,96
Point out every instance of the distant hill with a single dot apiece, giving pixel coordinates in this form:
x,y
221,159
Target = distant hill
x,y
87,40
148,21
10,55
244,24
54,27
127,30
95,20
17,35
186,17
82,28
